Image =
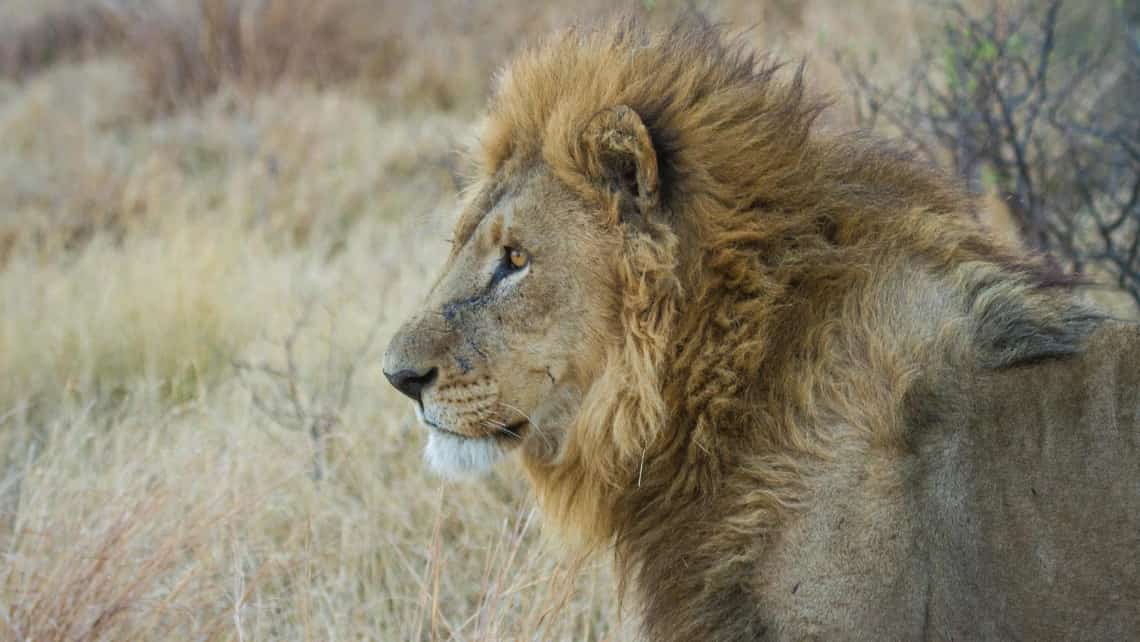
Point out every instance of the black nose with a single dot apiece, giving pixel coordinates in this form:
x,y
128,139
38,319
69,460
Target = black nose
x,y
412,383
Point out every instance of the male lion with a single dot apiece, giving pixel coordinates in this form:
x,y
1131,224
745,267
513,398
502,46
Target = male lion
x,y
786,376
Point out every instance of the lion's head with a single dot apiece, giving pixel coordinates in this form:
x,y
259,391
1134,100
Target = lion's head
x,y
552,265
514,330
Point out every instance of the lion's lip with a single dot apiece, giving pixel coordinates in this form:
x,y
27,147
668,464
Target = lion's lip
x,y
515,431
435,426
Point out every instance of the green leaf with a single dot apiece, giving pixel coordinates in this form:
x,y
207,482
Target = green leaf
x,y
987,50
948,64
1015,43
989,178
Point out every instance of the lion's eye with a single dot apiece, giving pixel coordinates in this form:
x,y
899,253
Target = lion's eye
x,y
516,258
513,262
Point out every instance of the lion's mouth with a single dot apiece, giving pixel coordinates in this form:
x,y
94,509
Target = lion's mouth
x,y
510,433
517,430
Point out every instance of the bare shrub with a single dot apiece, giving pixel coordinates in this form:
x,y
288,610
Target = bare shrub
x,y
186,51
1037,102
61,34
287,396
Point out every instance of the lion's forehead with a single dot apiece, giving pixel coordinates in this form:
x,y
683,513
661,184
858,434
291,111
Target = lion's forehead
x,y
489,196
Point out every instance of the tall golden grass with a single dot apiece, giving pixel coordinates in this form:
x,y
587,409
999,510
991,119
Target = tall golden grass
x,y
180,183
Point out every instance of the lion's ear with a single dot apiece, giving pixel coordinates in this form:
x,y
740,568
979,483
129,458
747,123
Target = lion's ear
x,y
620,158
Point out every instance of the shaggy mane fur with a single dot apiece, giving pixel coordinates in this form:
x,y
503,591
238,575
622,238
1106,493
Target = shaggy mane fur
x,y
793,296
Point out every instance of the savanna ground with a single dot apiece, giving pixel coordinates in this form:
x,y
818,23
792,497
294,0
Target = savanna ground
x,y
213,214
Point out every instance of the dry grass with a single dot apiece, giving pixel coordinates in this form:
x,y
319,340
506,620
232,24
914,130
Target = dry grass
x,y
172,202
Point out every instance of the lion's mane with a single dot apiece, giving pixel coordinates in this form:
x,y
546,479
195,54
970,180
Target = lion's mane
x,y
791,282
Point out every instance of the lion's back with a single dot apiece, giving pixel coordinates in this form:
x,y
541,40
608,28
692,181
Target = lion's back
x,y
1029,498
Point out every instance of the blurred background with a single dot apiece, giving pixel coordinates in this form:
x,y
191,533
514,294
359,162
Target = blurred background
x,y
213,214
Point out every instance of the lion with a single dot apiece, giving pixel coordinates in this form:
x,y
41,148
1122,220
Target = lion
x,y
784,375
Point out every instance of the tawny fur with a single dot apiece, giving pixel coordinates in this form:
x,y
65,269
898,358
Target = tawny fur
x,y
799,319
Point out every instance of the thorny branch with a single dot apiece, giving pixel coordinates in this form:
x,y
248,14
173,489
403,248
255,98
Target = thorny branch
x,y
295,401
1041,104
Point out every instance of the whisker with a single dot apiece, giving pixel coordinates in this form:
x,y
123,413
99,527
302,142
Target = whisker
x,y
510,407
487,423
547,440
494,422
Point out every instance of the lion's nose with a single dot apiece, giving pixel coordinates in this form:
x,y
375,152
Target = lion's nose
x,y
411,382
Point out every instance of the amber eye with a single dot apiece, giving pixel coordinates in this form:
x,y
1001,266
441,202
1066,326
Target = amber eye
x,y
517,258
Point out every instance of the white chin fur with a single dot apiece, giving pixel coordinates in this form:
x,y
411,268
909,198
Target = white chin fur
x,y
456,457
